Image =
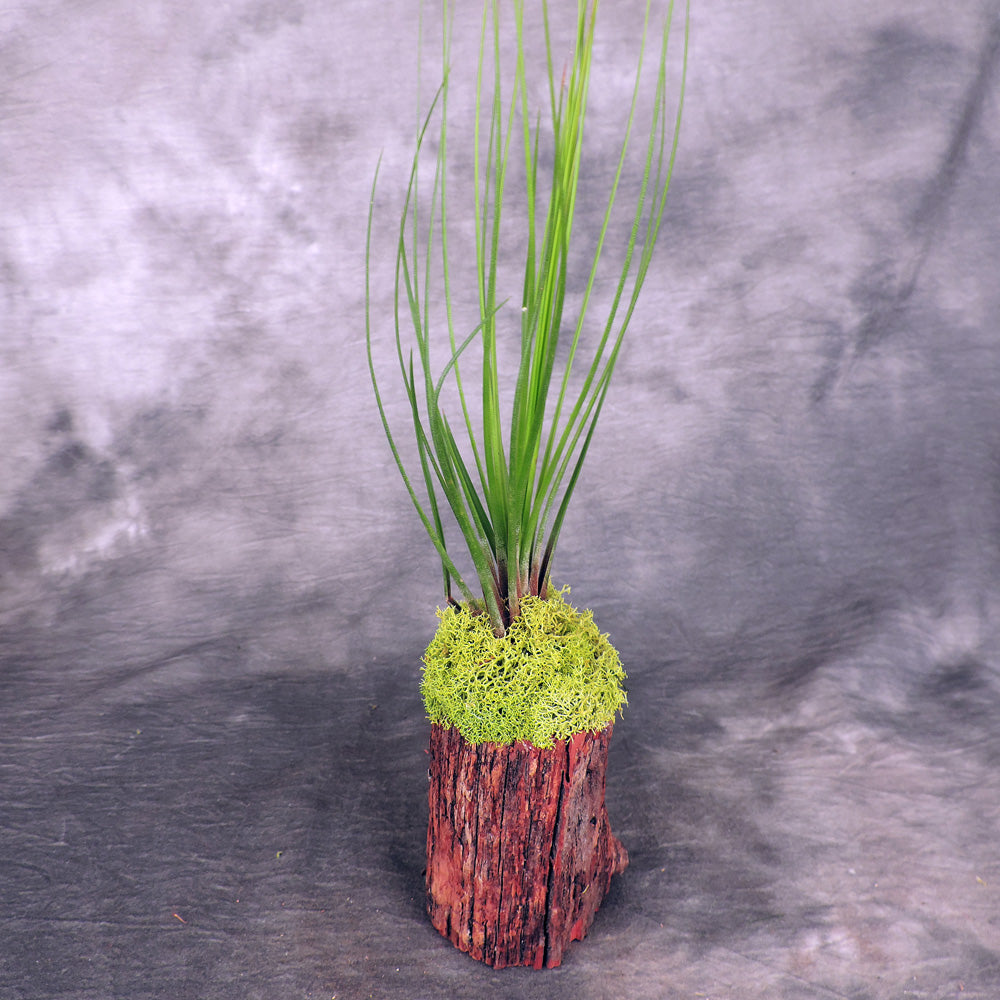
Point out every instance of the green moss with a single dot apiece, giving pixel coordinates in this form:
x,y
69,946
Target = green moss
x,y
553,674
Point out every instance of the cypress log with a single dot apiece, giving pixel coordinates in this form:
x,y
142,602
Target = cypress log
x,y
520,852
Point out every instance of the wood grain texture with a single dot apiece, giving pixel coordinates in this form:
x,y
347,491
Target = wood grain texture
x,y
520,852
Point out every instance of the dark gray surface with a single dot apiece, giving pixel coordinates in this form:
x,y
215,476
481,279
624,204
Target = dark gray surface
x,y
213,596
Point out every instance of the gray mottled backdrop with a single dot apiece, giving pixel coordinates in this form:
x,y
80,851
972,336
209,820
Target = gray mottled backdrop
x,y
214,593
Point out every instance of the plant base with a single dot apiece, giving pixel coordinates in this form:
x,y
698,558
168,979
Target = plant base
x,y
520,852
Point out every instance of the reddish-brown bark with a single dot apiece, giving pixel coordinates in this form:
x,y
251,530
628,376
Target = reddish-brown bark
x,y
520,852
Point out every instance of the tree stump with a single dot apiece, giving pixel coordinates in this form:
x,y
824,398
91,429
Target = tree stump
x,y
520,852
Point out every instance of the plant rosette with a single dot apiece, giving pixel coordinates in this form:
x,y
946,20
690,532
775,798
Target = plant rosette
x,y
551,675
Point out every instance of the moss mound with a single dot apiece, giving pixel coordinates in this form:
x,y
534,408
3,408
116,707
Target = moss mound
x,y
553,674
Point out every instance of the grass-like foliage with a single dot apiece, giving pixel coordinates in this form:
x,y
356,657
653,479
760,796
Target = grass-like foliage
x,y
551,675
507,470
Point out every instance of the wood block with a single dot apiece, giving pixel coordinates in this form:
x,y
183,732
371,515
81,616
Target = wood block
x,y
520,852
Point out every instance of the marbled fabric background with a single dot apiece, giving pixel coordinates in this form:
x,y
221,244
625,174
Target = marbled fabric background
x,y
214,593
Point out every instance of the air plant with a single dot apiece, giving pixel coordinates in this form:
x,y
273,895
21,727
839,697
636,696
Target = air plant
x,y
508,483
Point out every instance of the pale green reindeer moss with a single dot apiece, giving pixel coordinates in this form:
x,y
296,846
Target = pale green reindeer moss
x,y
551,675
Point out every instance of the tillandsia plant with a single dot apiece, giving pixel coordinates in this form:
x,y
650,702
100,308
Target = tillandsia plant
x,y
508,482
